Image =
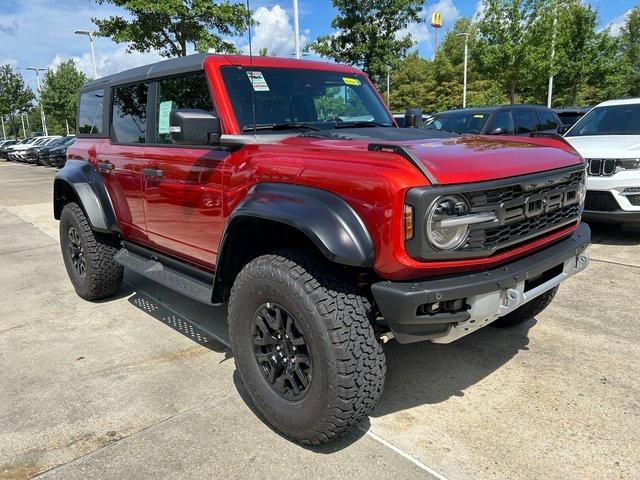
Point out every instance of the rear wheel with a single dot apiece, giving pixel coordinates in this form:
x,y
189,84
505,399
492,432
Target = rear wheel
x,y
304,346
88,256
527,311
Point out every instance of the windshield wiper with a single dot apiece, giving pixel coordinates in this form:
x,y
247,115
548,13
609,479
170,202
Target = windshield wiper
x,y
279,126
360,124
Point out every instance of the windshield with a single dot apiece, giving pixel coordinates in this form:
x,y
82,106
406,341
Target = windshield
x,y
458,122
614,120
302,99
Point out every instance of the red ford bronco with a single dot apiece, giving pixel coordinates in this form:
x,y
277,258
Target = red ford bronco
x,y
285,189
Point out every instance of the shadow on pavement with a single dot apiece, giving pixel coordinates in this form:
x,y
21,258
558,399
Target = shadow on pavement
x,y
603,234
428,373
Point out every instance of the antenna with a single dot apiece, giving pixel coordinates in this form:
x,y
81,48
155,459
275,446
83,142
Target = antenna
x,y
253,91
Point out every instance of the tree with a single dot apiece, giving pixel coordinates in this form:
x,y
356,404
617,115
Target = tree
x,y
505,39
170,26
367,34
630,46
59,96
15,97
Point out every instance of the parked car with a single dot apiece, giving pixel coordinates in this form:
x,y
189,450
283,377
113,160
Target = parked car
x,y
4,145
325,228
55,155
30,155
570,115
503,120
608,137
401,122
6,150
19,152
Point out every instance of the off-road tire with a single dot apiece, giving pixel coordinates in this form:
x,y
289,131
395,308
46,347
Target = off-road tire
x,y
102,276
335,319
527,311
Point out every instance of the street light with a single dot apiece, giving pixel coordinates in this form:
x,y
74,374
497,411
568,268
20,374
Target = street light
x,y
466,52
42,116
553,53
93,51
296,29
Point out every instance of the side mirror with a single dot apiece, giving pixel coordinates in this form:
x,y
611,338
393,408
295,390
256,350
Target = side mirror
x,y
194,127
562,129
497,131
413,118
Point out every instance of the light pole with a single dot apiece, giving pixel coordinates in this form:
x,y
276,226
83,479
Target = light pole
x,y
42,116
553,52
4,134
24,132
296,29
466,54
388,86
93,51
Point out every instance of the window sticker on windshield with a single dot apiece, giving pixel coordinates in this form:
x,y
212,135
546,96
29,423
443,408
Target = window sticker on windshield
x,y
257,81
164,112
351,81
478,116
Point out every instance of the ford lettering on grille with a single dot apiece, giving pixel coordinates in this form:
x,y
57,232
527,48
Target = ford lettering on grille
x,y
536,204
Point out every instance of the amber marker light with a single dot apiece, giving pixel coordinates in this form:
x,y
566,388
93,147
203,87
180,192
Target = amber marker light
x,y
408,222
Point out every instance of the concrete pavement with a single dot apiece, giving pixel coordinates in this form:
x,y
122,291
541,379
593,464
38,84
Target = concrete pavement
x,y
143,385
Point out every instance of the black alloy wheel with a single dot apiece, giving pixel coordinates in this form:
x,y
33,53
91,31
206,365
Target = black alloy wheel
x,y
281,351
76,251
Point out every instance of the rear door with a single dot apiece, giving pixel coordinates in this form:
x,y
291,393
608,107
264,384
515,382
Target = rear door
x,y
524,121
183,184
549,121
121,159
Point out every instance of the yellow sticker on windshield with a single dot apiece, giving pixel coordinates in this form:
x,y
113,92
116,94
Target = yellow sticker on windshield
x,y
351,81
478,116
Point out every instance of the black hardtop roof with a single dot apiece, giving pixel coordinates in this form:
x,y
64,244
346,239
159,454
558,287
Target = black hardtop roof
x,y
173,66
494,108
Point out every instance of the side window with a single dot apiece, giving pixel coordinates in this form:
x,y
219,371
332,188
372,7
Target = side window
x,y
90,112
501,120
547,119
187,91
129,113
525,121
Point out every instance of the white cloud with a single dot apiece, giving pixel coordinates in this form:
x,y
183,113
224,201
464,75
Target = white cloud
x,y
423,32
274,31
617,23
8,61
109,62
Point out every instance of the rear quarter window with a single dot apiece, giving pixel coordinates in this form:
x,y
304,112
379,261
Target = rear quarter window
x,y
548,120
90,118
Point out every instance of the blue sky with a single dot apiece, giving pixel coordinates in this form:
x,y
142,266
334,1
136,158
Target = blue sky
x,y
40,32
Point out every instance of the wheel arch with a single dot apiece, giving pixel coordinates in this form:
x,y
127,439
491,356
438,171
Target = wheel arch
x,y
79,182
274,216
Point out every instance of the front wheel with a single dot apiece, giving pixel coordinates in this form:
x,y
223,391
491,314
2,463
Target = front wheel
x,y
88,256
527,311
304,346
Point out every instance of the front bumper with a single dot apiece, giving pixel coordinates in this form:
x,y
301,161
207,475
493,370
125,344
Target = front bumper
x,y
484,296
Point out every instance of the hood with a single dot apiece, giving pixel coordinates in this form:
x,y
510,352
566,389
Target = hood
x,y
607,146
454,159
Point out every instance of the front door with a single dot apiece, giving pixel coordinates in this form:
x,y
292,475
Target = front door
x,y
182,184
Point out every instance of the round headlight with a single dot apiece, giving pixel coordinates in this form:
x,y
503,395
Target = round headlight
x,y
439,233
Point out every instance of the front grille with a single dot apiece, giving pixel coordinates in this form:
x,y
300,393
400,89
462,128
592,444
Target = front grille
x,y
597,201
634,200
482,238
602,167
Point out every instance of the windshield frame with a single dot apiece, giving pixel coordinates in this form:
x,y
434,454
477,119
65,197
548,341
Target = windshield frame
x,y
594,111
375,106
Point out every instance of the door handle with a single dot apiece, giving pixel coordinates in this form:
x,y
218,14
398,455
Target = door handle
x,y
105,166
153,172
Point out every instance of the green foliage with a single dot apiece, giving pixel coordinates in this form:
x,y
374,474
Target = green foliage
x,y
367,34
630,47
15,97
59,96
170,26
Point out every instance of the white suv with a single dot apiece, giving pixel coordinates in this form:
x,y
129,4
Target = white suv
x,y
608,137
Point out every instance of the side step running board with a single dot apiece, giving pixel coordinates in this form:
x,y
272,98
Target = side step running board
x,y
169,277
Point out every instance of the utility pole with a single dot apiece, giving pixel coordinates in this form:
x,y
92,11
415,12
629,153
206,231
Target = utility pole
x,y
553,52
42,116
296,29
93,51
466,54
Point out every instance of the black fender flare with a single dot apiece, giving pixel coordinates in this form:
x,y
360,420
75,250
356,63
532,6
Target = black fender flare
x,y
87,185
326,219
